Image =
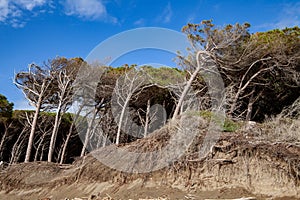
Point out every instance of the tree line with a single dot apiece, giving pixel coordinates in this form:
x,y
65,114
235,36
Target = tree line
x,y
260,76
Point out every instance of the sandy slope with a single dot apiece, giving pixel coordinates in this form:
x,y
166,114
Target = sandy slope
x,y
238,166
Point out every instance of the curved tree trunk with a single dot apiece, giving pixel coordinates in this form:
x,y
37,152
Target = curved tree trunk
x,y
187,87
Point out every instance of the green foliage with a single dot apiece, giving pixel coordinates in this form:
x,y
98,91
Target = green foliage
x,y
108,80
68,117
71,66
255,68
164,76
17,114
44,80
118,71
227,124
206,36
230,126
277,41
6,107
206,114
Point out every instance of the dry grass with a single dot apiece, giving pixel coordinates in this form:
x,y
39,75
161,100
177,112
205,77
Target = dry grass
x,y
280,129
285,127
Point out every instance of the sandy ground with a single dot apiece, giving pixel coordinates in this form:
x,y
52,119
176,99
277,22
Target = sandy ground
x,y
238,167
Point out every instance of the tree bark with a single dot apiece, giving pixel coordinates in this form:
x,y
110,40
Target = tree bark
x,y
39,147
15,146
89,130
147,118
54,133
34,123
187,87
121,119
242,86
62,158
4,137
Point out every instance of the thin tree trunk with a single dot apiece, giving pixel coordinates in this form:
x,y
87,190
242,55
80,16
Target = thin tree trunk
x,y
164,106
242,86
33,126
4,137
62,158
63,85
104,140
250,107
89,130
121,119
59,154
39,146
20,149
54,133
42,152
249,111
147,118
15,146
187,87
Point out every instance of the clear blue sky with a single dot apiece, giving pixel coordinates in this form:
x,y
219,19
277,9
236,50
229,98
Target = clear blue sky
x,y
38,30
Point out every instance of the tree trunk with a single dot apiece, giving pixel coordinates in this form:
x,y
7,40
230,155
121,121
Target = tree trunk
x,y
54,133
39,146
42,152
250,107
186,88
104,140
121,119
242,86
89,130
15,146
33,126
59,154
147,118
4,137
62,158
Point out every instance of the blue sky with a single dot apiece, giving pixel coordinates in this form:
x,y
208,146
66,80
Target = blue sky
x,y
38,30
